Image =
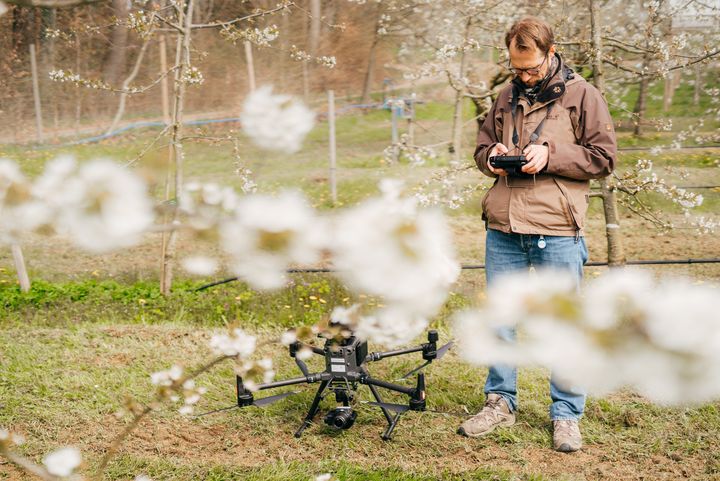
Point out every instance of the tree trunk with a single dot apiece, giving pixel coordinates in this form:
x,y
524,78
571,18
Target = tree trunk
x,y
616,254
78,92
367,85
640,105
126,83
117,58
24,27
312,35
165,100
305,70
457,127
698,84
182,62
331,11
315,14
285,79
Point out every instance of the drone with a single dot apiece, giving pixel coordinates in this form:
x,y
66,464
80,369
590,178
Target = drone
x,y
346,368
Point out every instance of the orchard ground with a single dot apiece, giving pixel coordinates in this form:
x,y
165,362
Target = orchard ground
x,y
94,327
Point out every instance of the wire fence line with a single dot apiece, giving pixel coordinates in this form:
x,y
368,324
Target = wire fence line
x,y
321,115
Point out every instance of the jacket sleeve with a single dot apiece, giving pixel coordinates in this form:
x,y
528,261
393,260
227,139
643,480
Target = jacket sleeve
x,y
595,153
487,139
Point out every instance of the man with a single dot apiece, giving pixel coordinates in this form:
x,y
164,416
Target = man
x,y
535,218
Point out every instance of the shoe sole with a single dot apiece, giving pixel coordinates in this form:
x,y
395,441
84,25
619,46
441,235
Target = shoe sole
x,y
566,448
461,431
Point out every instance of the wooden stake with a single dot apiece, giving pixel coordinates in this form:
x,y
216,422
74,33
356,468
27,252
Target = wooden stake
x,y
333,150
395,135
20,268
250,65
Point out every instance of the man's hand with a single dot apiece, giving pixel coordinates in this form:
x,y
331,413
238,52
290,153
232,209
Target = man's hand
x,y
537,156
499,149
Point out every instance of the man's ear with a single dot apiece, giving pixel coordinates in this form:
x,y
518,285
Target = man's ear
x,y
552,50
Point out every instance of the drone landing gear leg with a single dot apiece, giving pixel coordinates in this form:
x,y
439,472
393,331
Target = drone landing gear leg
x,y
387,435
392,421
313,409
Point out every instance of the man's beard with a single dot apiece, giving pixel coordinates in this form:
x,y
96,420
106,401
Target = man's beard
x,y
533,83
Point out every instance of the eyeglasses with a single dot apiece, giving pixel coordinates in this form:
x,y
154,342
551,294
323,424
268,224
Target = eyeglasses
x,y
530,71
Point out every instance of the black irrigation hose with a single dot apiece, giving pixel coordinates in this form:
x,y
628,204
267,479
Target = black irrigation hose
x,y
597,187
630,263
482,266
627,149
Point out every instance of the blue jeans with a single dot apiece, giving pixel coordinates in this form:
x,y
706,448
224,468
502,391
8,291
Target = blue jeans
x,y
508,253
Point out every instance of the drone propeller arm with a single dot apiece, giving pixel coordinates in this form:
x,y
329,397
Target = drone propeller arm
x,y
370,381
376,356
303,367
312,378
297,346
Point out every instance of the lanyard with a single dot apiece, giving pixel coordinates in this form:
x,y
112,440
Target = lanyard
x,y
513,108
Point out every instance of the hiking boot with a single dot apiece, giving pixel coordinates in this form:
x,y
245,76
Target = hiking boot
x,y
566,436
496,412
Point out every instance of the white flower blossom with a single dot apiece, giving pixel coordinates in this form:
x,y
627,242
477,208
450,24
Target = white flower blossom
x,y
103,206
205,205
193,76
237,343
200,265
269,233
20,210
660,338
166,378
304,354
16,439
276,122
63,461
288,337
345,316
391,249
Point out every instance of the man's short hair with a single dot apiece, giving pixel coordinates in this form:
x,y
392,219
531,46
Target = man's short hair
x,y
530,32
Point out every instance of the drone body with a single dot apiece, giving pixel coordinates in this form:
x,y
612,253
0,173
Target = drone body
x,y
346,369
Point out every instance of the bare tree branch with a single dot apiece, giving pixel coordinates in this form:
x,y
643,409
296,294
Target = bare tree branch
x,y
658,72
280,7
51,3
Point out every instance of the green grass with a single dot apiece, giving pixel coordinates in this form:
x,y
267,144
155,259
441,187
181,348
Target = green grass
x,y
62,385
106,301
282,471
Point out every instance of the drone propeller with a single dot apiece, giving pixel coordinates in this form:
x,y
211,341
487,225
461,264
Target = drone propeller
x,y
398,408
440,353
266,401
217,411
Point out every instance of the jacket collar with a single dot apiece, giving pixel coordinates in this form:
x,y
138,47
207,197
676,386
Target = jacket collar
x,y
553,87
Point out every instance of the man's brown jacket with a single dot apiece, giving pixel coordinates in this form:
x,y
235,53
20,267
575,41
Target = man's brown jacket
x,y
581,141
